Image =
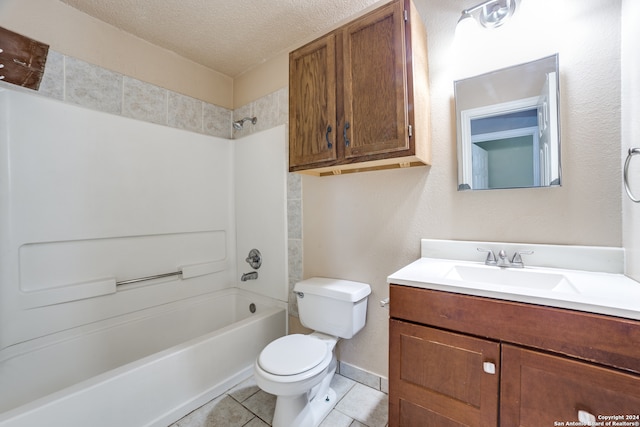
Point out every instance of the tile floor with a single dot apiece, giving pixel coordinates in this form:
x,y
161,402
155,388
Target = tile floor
x,y
245,405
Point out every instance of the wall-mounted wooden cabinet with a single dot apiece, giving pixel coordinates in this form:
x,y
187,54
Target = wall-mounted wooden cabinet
x,y
458,360
358,97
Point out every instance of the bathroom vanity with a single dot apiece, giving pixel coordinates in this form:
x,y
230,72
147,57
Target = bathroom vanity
x,y
462,359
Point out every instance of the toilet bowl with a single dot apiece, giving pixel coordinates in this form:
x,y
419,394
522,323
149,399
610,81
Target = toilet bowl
x,y
298,368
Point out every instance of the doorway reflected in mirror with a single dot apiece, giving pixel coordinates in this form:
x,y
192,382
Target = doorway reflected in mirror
x,y
508,127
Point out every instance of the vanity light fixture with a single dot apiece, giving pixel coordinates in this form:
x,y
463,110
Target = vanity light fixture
x,y
489,14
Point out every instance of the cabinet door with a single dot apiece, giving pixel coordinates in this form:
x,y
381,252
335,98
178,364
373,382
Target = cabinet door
x,y
375,95
438,378
312,103
539,389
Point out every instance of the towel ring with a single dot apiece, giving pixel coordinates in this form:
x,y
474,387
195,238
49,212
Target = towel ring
x,y
632,152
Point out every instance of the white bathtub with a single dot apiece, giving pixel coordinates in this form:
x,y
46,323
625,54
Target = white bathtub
x,y
146,369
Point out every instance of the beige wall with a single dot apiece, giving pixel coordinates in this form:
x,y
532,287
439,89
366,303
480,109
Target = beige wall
x,y
365,226
262,80
76,34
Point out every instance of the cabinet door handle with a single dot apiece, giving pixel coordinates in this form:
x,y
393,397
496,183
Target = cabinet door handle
x,y
489,368
346,140
586,418
329,144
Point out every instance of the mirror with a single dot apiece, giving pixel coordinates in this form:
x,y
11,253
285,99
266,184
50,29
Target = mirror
x,y
508,127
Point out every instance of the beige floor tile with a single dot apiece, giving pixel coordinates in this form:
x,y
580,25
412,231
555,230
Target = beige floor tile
x,y
341,385
366,405
244,390
336,419
221,412
256,422
245,405
262,404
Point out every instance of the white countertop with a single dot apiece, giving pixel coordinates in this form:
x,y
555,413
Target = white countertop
x,y
596,292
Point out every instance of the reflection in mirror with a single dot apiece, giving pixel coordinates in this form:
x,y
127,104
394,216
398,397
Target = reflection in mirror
x,y
508,127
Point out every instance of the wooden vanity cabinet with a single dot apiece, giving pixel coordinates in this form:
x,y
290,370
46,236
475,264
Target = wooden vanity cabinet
x,y
358,96
460,360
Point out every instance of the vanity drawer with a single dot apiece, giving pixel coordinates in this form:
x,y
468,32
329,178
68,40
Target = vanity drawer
x,y
607,340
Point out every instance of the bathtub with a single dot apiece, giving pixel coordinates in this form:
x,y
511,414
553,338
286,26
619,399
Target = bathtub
x,y
145,369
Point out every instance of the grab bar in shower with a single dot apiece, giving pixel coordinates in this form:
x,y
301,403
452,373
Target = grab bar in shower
x,y
144,279
186,272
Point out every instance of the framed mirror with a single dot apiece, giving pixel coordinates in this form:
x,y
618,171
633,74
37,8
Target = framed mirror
x,y
508,127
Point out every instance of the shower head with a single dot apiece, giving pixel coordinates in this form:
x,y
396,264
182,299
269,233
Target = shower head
x,y
239,124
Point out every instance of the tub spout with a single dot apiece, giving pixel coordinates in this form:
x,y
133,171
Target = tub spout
x,y
249,276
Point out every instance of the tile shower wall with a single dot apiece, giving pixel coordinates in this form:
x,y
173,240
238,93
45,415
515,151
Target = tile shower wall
x,y
77,82
72,80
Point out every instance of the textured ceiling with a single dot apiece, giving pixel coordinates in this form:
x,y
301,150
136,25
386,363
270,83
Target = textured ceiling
x,y
229,36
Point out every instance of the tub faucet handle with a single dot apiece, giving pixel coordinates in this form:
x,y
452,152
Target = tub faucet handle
x,y
491,257
254,259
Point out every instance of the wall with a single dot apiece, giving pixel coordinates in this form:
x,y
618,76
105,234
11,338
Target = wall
x,y
365,226
631,132
58,25
78,82
262,80
97,66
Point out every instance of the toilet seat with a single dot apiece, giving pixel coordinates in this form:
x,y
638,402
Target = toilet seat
x,y
293,354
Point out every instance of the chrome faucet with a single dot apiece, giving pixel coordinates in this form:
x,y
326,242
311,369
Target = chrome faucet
x,y
503,261
516,261
249,276
491,257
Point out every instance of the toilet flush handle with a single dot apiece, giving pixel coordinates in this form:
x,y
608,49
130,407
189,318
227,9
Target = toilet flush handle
x,y
299,294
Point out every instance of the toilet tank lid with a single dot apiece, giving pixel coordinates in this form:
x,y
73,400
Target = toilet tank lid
x,y
344,290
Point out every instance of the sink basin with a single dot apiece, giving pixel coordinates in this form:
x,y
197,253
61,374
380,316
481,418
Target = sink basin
x,y
522,278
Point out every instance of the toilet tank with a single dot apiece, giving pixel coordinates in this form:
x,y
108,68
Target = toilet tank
x,y
332,306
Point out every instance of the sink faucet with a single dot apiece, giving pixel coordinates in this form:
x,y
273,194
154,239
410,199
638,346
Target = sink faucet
x,y
503,261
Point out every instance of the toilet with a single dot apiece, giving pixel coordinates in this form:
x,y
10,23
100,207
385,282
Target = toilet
x,y
298,368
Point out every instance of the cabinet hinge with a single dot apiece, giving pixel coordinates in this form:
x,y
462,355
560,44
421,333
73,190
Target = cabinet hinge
x,y
410,131
406,15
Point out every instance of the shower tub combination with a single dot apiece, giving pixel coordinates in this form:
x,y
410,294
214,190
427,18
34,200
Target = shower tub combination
x,y
169,361
120,302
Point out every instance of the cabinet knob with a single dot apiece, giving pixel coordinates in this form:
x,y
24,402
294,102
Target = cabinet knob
x,y
489,368
586,418
329,144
